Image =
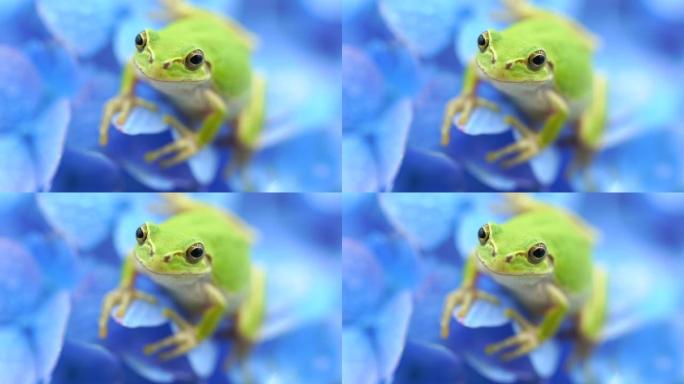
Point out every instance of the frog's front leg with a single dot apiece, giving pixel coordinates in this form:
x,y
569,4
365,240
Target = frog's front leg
x,y
465,104
122,104
191,142
189,336
531,142
122,296
532,336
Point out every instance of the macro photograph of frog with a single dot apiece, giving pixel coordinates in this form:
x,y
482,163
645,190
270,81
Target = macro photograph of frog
x,y
512,288
512,95
170,95
169,288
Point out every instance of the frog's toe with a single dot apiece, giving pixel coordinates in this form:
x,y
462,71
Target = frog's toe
x,y
182,342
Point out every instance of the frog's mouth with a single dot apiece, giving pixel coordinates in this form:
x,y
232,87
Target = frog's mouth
x,y
165,275
500,79
160,79
484,266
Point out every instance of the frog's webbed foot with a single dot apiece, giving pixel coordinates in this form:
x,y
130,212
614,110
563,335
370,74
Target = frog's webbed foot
x,y
465,297
123,297
123,105
181,342
524,342
523,150
464,104
181,150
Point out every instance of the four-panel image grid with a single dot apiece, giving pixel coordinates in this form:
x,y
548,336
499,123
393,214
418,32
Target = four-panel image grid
x,y
341,191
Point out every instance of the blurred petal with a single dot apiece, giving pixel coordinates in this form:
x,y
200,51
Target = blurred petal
x,y
490,371
101,174
20,281
141,314
57,67
390,140
426,219
359,172
84,363
48,328
391,327
16,165
362,280
48,137
429,363
362,87
57,260
85,221
70,21
483,314
358,359
148,371
17,363
20,90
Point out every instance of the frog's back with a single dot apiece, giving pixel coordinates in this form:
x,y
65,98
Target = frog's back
x,y
569,51
568,241
226,242
226,51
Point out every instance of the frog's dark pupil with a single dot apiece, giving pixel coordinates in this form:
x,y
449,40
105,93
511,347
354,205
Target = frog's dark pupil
x,y
539,253
481,233
138,40
197,253
481,41
139,233
538,59
196,59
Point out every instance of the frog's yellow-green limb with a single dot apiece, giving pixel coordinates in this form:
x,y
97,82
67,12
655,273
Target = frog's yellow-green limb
x,y
122,104
532,143
465,103
593,313
531,336
190,143
189,336
251,120
251,312
123,296
593,121
465,296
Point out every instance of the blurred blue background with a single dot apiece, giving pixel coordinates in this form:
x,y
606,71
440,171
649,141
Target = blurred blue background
x,y
61,253
62,62
402,253
404,59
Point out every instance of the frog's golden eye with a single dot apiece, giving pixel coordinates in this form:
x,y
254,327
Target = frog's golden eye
x,y
536,60
537,253
483,41
194,253
483,234
194,59
141,234
140,41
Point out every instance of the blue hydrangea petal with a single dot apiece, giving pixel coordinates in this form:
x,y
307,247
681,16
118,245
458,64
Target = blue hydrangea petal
x,y
70,21
69,214
667,9
438,88
48,137
483,314
48,328
57,67
204,165
9,8
362,280
429,171
141,121
204,358
492,179
18,173
398,65
390,140
545,358
77,361
141,314
491,371
57,260
391,327
101,175
17,363
358,359
362,87
359,172
21,89
398,258
427,220
429,363
20,281
150,372
425,27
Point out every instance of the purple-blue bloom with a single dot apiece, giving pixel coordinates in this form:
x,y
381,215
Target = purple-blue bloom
x,y
62,253
403,253
404,60
63,60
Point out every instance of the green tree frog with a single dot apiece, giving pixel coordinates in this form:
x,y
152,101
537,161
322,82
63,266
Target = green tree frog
x,y
201,62
201,257
543,62
543,257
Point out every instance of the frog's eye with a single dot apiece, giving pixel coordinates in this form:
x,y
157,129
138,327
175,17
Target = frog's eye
x,y
194,253
140,41
483,234
141,234
536,60
483,41
194,59
536,253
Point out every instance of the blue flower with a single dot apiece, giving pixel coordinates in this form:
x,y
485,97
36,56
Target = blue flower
x,y
63,61
63,253
395,100
403,253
